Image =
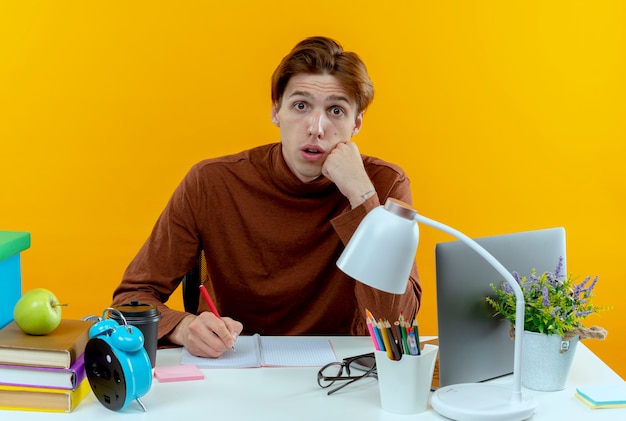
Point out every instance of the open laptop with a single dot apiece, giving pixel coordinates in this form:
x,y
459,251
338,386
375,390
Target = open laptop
x,y
474,345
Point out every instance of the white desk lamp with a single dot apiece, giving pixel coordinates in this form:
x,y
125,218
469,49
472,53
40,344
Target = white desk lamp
x,y
381,253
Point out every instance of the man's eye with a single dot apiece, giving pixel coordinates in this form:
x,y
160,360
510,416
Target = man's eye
x,y
336,111
299,106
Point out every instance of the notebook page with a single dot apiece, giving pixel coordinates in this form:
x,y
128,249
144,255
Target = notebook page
x,y
246,354
296,351
278,351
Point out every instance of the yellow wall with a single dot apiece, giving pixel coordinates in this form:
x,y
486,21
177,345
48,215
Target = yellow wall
x,y
507,116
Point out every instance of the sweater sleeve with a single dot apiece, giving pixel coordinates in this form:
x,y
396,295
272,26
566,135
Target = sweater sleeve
x,y
380,303
167,255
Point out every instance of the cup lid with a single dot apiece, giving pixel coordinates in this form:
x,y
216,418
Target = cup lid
x,y
136,309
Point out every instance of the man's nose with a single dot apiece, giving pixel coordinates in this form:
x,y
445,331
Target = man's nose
x,y
317,124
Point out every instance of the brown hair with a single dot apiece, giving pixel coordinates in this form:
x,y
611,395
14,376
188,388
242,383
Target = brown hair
x,y
319,55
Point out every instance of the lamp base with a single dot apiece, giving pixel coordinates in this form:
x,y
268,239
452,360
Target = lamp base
x,y
481,402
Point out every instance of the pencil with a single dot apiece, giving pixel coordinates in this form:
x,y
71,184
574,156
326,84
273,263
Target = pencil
x,y
392,341
406,327
386,340
379,338
404,338
211,304
412,343
399,340
401,317
370,328
417,336
209,301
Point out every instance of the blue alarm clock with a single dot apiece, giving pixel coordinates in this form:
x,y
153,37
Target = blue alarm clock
x,y
116,363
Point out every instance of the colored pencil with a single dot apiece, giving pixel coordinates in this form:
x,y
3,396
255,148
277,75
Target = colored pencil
x,y
370,328
417,336
393,341
386,339
412,343
209,301
405,342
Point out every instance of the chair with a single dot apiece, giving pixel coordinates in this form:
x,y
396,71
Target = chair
x,y
191,285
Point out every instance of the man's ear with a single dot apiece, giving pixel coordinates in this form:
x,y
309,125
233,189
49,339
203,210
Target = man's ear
x,y
358,122
274,115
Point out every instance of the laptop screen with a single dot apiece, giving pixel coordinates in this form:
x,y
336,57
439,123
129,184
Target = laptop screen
x,y
474,345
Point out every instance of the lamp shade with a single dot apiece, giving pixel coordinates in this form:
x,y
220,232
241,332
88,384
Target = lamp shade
x,y
382,249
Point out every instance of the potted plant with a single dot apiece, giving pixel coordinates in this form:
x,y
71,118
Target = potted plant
x,y
555,307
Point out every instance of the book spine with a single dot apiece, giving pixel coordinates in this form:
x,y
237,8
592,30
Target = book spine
x,y
34,398
74,376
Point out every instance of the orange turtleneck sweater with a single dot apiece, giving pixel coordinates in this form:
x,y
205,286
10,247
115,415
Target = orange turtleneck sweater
x,y
271,243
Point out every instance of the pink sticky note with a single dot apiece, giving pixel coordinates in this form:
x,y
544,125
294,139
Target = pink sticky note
x,y
178,373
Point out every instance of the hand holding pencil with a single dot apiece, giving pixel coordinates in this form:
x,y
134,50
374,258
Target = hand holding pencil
x,y
207,334
209,301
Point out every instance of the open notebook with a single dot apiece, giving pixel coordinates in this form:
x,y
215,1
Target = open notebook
x,y
269,351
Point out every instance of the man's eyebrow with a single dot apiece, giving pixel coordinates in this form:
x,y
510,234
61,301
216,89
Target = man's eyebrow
x,y
330,98
301,93
338,98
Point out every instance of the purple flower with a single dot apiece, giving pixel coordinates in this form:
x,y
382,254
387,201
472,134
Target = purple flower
x,y
584,313
559,267
516,277
593,284
546,297
508,288
578,289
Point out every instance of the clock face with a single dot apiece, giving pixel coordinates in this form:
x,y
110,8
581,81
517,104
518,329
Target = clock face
x,y
105,374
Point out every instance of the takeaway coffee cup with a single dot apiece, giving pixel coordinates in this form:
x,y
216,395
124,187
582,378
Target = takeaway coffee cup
x,y
145,317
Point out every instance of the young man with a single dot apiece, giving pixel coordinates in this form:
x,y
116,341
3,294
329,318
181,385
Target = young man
x,y
273,220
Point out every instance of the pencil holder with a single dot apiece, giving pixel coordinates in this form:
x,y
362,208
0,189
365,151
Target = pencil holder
x,y
405,384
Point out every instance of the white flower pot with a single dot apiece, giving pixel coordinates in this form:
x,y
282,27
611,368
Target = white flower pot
x,y
546,361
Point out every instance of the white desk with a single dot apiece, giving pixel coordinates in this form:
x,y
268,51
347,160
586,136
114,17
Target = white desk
x,y
293,393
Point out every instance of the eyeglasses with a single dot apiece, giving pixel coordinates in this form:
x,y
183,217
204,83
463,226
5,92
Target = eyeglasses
x,y
342,371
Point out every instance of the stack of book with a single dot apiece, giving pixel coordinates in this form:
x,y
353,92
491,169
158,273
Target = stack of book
x,y
44,373
602,396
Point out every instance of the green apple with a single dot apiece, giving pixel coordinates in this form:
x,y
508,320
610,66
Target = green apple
x,y
38,312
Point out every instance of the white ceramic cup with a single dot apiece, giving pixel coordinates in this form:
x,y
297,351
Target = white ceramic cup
x,y
405,385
